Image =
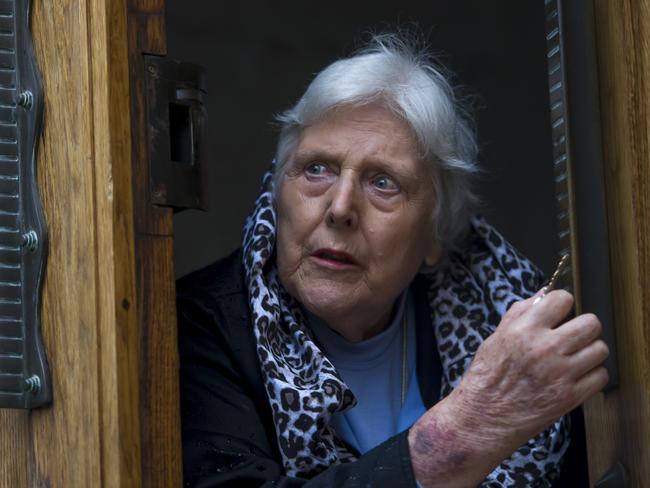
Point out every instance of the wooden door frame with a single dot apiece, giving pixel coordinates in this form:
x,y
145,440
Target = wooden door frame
x,y
108,308
618,422
154,248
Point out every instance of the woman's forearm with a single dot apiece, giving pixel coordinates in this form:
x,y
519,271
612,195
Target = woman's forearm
x,y
453,447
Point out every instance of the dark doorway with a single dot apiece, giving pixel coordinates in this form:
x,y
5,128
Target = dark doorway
x,y
261,55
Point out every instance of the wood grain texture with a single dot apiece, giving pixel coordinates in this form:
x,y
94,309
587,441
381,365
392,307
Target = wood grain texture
x,y
70,428
15,448
159,395
89,436
159,406
618,423
117,314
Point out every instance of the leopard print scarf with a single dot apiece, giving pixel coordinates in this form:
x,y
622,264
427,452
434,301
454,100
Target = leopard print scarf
x,y
467,297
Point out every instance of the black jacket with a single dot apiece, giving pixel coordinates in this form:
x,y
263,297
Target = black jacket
x,y
228,433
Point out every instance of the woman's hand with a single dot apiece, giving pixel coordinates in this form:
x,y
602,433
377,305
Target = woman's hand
x,y
532,370
526,375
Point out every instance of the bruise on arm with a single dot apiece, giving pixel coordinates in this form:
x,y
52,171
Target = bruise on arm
x,y
438,454
452,448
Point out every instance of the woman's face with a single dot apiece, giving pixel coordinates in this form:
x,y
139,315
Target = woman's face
x,y
354,218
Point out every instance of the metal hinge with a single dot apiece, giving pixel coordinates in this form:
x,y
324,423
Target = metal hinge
x,y
24,373
177,130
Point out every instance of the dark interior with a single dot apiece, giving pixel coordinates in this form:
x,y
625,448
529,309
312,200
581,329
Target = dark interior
x,y
261,55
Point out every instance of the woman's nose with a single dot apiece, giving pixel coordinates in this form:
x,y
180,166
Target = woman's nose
x,y
343,211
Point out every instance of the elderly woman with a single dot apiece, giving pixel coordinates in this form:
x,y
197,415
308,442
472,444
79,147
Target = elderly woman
x,y
371,332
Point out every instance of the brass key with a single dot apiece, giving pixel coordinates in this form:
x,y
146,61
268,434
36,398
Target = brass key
x,y
554,278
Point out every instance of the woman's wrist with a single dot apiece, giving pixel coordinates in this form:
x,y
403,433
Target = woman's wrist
x,y
457,444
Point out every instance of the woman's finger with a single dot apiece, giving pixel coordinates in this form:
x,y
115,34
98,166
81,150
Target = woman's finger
x,y
587,359
577,333
552,309
590,384
520,307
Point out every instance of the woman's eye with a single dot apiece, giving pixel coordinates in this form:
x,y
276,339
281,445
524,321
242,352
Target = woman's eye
x,y
316,169
385,183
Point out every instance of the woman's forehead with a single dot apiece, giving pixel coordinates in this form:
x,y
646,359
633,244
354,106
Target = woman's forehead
x,y
366,131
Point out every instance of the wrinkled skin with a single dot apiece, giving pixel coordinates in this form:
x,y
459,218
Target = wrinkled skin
x,y
531,371
355,184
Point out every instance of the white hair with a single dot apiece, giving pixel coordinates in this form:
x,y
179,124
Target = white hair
x,y
393,73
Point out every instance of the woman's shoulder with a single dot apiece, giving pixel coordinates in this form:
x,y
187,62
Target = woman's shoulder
x,y
212,302
214,318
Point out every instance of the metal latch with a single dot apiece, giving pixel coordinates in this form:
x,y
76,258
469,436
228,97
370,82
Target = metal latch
x,y
177,129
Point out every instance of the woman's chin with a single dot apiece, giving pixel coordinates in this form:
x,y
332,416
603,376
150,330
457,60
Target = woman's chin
x,y
331,304
327,308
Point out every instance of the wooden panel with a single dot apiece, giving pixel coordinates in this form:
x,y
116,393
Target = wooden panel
x,y
159,396
89,436
15,443
159,406
70,427
117,318
618,423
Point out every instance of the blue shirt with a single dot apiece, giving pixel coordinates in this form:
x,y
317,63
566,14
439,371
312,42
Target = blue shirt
x,y
373,371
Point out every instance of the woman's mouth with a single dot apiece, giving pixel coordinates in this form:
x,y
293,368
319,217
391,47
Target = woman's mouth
x,y
332,258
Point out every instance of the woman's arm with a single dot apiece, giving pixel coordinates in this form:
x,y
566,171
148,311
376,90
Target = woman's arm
x,y
524,377
505,398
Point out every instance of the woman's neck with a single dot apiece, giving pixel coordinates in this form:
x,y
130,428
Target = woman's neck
x,y
361,326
